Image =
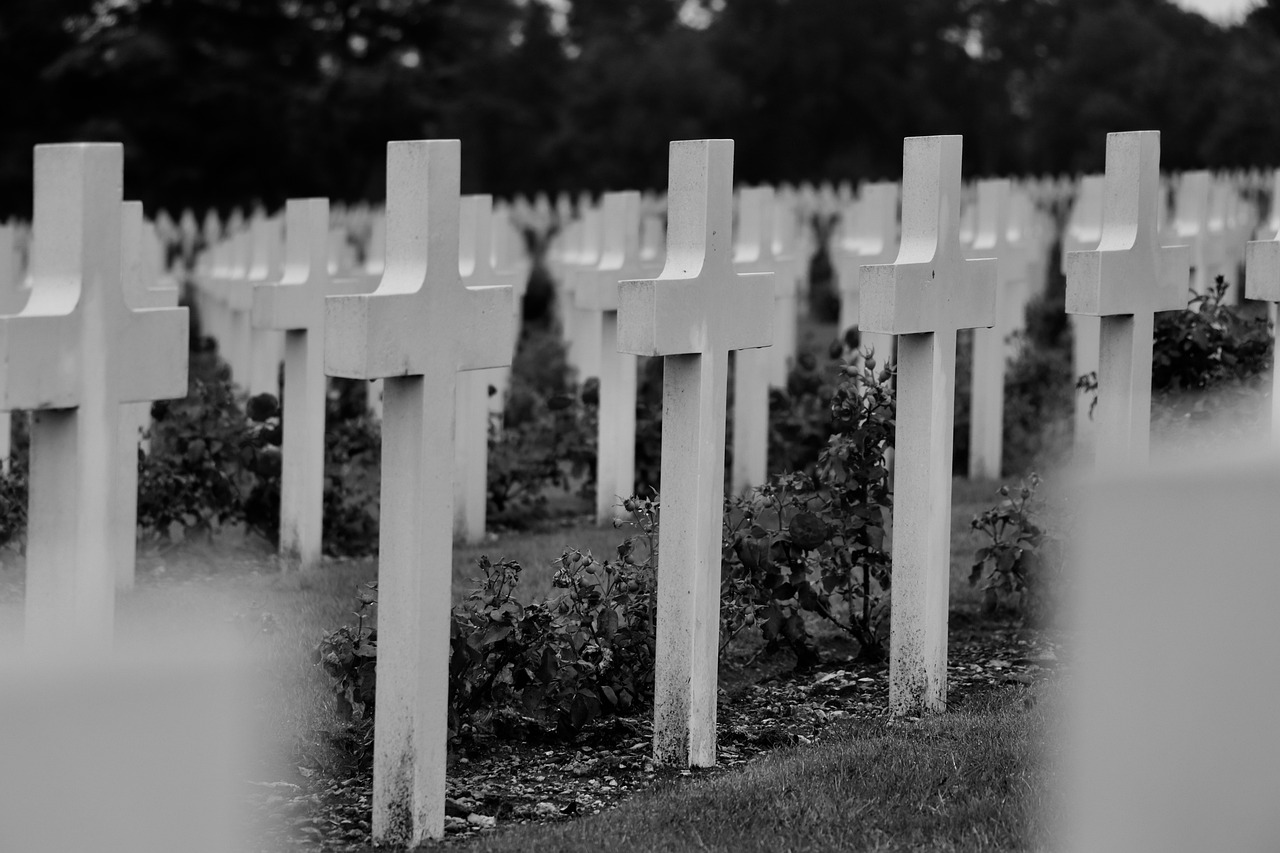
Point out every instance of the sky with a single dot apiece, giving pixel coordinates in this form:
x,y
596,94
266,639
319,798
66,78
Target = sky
x,y
1220,10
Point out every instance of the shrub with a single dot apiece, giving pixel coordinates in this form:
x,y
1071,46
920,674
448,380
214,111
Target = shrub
x,y
548,434
204,457
1023,562
816,541
556,665
1208,346
1039,390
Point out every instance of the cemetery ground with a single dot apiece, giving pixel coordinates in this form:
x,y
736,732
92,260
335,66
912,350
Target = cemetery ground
x,y
808,760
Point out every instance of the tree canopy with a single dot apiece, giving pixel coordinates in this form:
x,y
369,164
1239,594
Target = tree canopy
x,y
233,102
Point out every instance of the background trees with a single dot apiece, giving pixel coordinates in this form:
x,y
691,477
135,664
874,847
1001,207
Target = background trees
x,y
228,102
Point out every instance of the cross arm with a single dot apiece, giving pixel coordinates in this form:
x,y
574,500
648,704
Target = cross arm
x,y
905,299
1262,263
152,352
281,305
1103,283
675,316
39,361
485,340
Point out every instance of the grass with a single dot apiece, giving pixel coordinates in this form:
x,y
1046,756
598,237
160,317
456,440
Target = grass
x,y
965,781
971,780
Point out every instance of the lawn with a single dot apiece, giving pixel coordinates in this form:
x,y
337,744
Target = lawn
x,y
970,780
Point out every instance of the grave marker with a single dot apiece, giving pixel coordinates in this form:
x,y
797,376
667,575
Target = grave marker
x,y
295,306
141,287
1262,281
266,345
74,355
1125,281
753,253
992,239
1190,225
870,238
1174,752
597,298
13,296
416,331
924,297
1083,233
693,314
471,435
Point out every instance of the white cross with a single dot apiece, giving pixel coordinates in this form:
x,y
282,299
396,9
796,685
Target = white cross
x,y
1262,281
294,305
416,331
74,354
1125,281
596,297
753,253
870,237
924,297
992,240
693,314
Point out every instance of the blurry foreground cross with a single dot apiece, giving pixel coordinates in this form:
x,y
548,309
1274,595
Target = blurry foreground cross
x,y
1125,281
417,330
924,297
75,353
693,314
1175,753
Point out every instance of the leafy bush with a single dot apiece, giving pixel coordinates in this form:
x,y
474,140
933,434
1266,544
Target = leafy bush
x,y
352,477
584,653
548,434
207,457
1022,563
1039,390
581,654
815,541
800,416
1208,346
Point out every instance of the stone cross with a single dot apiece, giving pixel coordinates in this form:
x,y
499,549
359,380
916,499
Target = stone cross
x,y
141,286
695,313
581,334
266,345
13,296
416,331
295,305
1083,232
870,237
1125,281
992,239
1155,759
1262,281
924,297
791,252
471,435
1190,225
75,353
753,253
596,297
